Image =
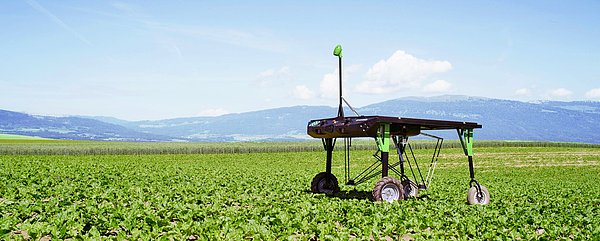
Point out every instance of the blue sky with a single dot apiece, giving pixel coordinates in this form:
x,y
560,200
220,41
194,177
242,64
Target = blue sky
x,y
139,60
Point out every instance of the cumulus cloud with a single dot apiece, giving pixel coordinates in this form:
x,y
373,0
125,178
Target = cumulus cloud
x,y
522,92
302,92
438,86
560,93
400,71
270,77
593,94
329,86
213,112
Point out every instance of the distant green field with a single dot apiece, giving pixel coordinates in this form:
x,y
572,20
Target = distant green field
x,y
537,193
70,147
19,137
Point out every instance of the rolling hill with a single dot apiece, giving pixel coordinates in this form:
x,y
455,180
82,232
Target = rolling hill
x,y
72,128
577,121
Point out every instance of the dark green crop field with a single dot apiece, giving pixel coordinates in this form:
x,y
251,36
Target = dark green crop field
x,y
547,193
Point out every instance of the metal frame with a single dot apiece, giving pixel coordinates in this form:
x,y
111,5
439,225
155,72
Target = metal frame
x,y
434,159
328,145
401,143
466,141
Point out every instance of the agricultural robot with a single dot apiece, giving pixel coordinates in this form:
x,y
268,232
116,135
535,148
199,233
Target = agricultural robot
x,y
389,133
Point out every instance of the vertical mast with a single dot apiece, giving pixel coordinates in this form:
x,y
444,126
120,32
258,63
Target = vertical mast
x,y
338,52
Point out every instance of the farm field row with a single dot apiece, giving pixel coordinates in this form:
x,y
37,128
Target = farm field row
x,y
15,146
536,192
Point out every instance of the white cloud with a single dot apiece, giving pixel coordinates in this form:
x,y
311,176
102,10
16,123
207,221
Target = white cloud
x,y
593,94
302,92
522,92
272,77
438,86
285,71
400,71
213,112
560,93
329,86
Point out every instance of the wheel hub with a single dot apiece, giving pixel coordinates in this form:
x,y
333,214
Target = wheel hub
x,y
325,186
390,193
480,197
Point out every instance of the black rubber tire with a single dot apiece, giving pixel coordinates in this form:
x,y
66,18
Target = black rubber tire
x,y
473,199
388,189
410,188
324,183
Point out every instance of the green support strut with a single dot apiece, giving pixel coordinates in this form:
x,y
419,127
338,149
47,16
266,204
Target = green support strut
x,y
469,142
383,142
468,136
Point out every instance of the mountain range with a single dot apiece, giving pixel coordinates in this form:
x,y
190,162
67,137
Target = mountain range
x,y
574,121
